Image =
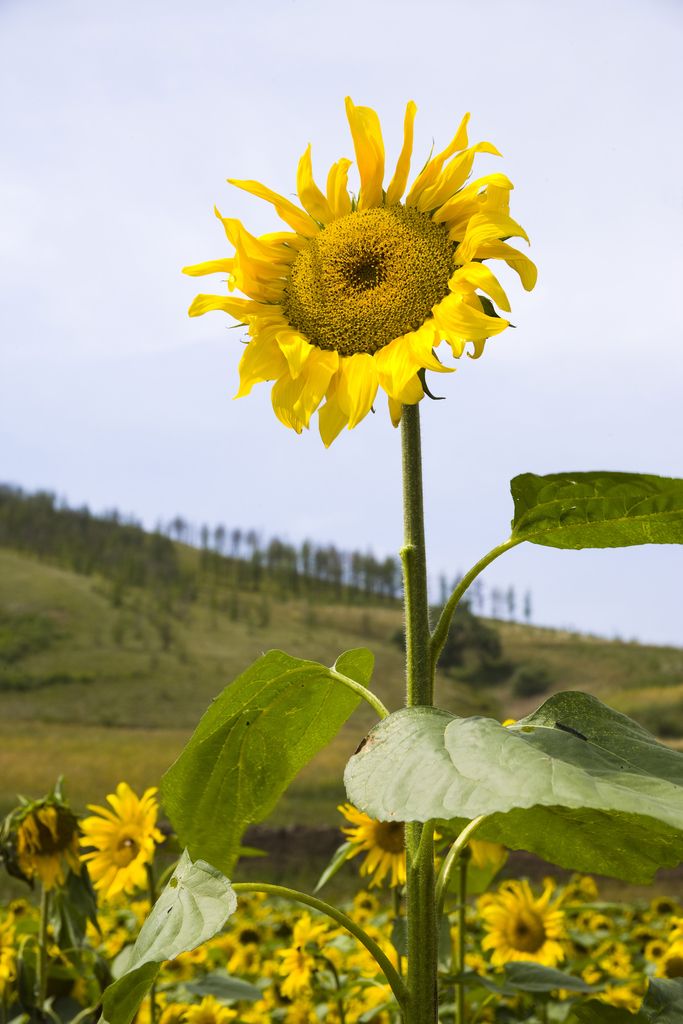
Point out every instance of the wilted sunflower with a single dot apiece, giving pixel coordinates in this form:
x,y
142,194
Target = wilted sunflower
x,y
384,841
362,290
47,834
124,841
522,928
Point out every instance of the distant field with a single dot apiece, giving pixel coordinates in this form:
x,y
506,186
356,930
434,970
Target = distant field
x,y
131,692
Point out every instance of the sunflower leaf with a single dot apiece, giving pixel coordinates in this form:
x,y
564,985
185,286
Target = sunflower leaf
x,y
532,977
597,510
251,743
577,783
193,907
663,1002
596,1012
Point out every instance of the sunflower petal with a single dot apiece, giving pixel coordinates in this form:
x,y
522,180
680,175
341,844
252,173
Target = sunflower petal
x,y
431,172
210,267
284,395
337,188
453,177
497,250
262,360
479,276
395,410
485,227
369,146
310,196
332,419
318,371
290,214
295,348
397,185
268,249
357,386
237,308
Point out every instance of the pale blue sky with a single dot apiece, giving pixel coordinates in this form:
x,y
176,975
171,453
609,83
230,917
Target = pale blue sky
x,y
122,121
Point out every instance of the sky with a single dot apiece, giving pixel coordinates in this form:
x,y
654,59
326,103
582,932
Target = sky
x,y
120,124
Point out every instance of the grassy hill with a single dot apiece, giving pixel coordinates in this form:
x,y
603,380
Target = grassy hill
x,y
93,684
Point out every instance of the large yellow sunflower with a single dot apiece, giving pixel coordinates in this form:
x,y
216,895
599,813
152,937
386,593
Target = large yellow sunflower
x,y
361,291
47,833
123,839
520,927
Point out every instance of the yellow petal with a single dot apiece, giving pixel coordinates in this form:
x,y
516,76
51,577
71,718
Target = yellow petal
x,y
485,227
310,196
295,348
467,201
453,177
395,411
262,360
369,147
479,276
497,250
331,418
237,308
290,214
397,185
412,392
357,386
284,395
270,249
396,364
210,267
431,172
460,322
318,372
337,188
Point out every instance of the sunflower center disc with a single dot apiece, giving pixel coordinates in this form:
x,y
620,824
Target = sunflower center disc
x,y
526,933
389,836
368,278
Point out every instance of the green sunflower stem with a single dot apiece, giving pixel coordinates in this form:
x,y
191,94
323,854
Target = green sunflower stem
x,y
419,685
42,945
420,886
463,860
153,896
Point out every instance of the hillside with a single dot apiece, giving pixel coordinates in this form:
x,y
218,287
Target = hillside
x,y
93,687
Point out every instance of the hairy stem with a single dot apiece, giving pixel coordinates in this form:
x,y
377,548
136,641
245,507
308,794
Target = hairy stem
x,y
151,884
438,638
462,909
42,946
387,967
419,892
362,691
450,861
419,685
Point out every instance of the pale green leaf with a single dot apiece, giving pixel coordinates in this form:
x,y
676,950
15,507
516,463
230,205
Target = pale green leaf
x,y
225,988
577,783
597,510
193,907
251,743
528,976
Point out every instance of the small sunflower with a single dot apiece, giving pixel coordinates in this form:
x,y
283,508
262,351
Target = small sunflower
x,y
175,1014
384,841
520,927
8,969
485,855
671,964
47,834
626,997
123,839
209,1011
362,290
298,964
655,950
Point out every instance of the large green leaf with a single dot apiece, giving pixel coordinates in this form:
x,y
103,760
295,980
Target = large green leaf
x,y
577,783
597,510
528,976
596,1012
663,1002
193,907
251,743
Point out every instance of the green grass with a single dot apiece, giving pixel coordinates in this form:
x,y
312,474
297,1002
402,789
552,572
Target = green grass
x,y
133,688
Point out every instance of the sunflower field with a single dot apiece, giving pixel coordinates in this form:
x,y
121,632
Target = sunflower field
x,y
556,955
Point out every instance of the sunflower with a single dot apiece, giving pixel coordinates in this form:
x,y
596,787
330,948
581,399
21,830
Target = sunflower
x,y
360,292
123,839
485,855
671,964
7,956
299,965
655,950
384,841
520,927
209,1011
174,1014
47,834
